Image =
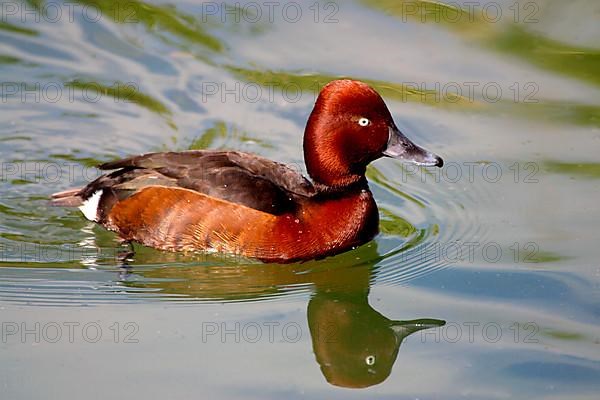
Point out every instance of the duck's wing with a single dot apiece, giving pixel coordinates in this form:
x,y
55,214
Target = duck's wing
x,y
236,177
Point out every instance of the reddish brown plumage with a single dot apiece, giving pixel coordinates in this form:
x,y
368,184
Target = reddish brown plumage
x,y
336,149
180,219
247,205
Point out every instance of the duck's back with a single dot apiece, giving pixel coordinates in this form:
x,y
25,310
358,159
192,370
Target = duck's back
x,y
237,177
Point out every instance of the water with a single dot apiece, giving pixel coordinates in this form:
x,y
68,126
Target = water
x,y
501,246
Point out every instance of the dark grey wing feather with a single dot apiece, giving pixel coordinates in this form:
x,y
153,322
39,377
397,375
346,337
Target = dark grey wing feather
x,y
237,177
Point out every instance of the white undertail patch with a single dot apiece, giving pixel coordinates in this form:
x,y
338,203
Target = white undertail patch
x,y
89,208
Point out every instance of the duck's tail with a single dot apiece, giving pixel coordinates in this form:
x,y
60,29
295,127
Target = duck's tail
x,y
68,198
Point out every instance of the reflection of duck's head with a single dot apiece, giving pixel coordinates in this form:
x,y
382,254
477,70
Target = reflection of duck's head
x,y
355,345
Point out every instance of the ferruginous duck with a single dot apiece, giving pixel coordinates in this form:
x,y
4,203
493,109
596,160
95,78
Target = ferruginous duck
x,y
247,205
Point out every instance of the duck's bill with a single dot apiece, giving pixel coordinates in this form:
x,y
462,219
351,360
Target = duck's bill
x,y
400,147
404,328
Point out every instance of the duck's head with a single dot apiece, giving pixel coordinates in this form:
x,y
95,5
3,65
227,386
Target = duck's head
x,y
349,127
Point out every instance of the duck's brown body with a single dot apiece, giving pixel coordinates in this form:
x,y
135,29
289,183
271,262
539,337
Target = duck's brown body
x,y
231,202
179,219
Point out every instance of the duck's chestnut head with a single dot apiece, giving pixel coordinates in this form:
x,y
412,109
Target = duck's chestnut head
x,y
349,127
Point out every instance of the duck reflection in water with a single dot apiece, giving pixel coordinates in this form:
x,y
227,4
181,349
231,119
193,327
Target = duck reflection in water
x,y
354,345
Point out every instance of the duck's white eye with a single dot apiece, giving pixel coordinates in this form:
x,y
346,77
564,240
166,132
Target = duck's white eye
x,y
364,122
370,360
